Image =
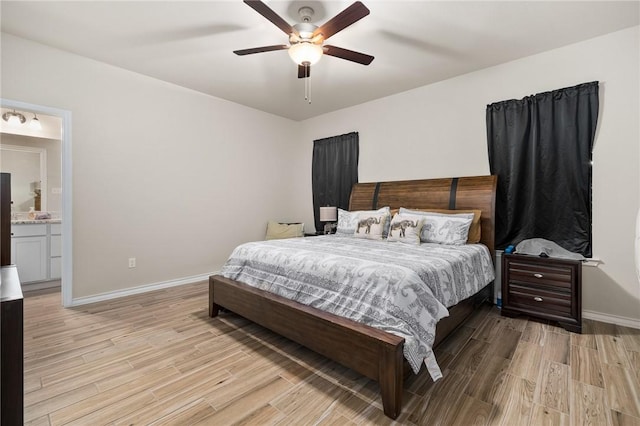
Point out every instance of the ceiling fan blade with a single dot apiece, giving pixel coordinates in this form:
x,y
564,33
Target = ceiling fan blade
x,y
349,55
260,49
342,20
268,13
304,71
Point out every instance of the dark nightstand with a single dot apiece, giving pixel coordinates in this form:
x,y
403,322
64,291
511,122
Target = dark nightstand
x,y
545,288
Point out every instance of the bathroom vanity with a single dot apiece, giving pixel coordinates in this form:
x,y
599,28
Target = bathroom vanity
x,y
36,249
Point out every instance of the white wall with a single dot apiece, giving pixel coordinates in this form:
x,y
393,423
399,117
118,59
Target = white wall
x,y
439,130
170,176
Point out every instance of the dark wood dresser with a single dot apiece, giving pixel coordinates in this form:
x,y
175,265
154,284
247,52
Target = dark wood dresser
x,y
544,288
11,321
11,348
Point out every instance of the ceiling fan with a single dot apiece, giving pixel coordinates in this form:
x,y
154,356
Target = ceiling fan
x,y
306,39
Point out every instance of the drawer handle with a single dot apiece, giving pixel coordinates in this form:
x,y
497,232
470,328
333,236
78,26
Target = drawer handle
x,y
538,275
538,299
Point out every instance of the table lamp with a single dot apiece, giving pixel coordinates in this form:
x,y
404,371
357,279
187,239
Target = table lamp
x,y
328,215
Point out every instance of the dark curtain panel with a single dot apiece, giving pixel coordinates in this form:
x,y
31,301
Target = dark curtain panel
x,y
333,172
540,148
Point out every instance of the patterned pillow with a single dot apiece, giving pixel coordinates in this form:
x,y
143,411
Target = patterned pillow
x,y
347,221
443,228
406,228
475,231
370,226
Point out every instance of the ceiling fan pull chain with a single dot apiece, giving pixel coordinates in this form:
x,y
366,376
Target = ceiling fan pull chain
x,y
307,84
309,89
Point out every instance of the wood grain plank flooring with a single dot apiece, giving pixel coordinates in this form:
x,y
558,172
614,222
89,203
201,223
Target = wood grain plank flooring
x,y
485,381
552,391
157,358
472,411
527,361
544,416
588,405
585,366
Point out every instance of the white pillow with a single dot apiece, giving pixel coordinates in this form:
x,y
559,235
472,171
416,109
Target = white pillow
x,y
370,226
406,228
347,221
443,228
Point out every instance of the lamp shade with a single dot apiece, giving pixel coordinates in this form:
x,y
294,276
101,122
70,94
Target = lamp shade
x,y
13,118
305,52
328,214
35,123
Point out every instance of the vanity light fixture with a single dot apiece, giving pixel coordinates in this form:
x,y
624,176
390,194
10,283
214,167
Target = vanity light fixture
x,y
14,118
35,123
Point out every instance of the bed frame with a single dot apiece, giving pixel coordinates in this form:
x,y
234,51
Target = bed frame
x,y
371,352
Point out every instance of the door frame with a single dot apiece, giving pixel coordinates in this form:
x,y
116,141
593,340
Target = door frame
x,y
67,211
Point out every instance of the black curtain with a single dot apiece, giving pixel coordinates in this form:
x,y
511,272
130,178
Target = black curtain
x,y
333,172
540,148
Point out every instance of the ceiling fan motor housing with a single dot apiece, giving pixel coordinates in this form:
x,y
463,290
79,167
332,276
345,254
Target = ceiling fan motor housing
x,y
305,31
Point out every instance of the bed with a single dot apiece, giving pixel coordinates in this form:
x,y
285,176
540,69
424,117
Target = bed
x,y
370,351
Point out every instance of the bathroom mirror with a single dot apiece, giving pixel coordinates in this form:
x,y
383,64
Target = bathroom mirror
x,y
28,168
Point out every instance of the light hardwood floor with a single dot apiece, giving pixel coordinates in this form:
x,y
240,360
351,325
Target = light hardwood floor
x,y
157,358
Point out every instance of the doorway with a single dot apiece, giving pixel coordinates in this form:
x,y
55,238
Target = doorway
x,y
65,189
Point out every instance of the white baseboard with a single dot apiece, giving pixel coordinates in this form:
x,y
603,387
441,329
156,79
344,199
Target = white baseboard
x,y
43,285
140,289
612,319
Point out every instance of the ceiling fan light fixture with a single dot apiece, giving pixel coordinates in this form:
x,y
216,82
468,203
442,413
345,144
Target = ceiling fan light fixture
x,y
305,53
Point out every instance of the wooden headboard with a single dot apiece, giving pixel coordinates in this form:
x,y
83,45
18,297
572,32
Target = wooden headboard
x,y
473,192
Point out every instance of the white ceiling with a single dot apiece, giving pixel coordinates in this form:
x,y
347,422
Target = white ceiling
x,y
415,43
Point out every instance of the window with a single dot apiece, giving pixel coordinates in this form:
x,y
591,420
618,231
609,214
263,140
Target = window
x,y
334,171
540,147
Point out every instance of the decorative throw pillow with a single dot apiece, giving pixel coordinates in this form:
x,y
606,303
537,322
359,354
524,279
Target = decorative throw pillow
x,y
475,231
370,226
347,221
443,228
276,231
406,228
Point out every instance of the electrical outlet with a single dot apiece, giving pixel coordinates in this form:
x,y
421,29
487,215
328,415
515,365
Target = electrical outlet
x,y
132,262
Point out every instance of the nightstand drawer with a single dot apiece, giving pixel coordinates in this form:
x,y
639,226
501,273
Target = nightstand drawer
x,y
556,276
540,299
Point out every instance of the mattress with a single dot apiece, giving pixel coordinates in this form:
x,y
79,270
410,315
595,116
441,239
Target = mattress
x,y
399,288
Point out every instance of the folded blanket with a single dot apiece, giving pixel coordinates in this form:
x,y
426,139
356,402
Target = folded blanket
x,y
541,247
